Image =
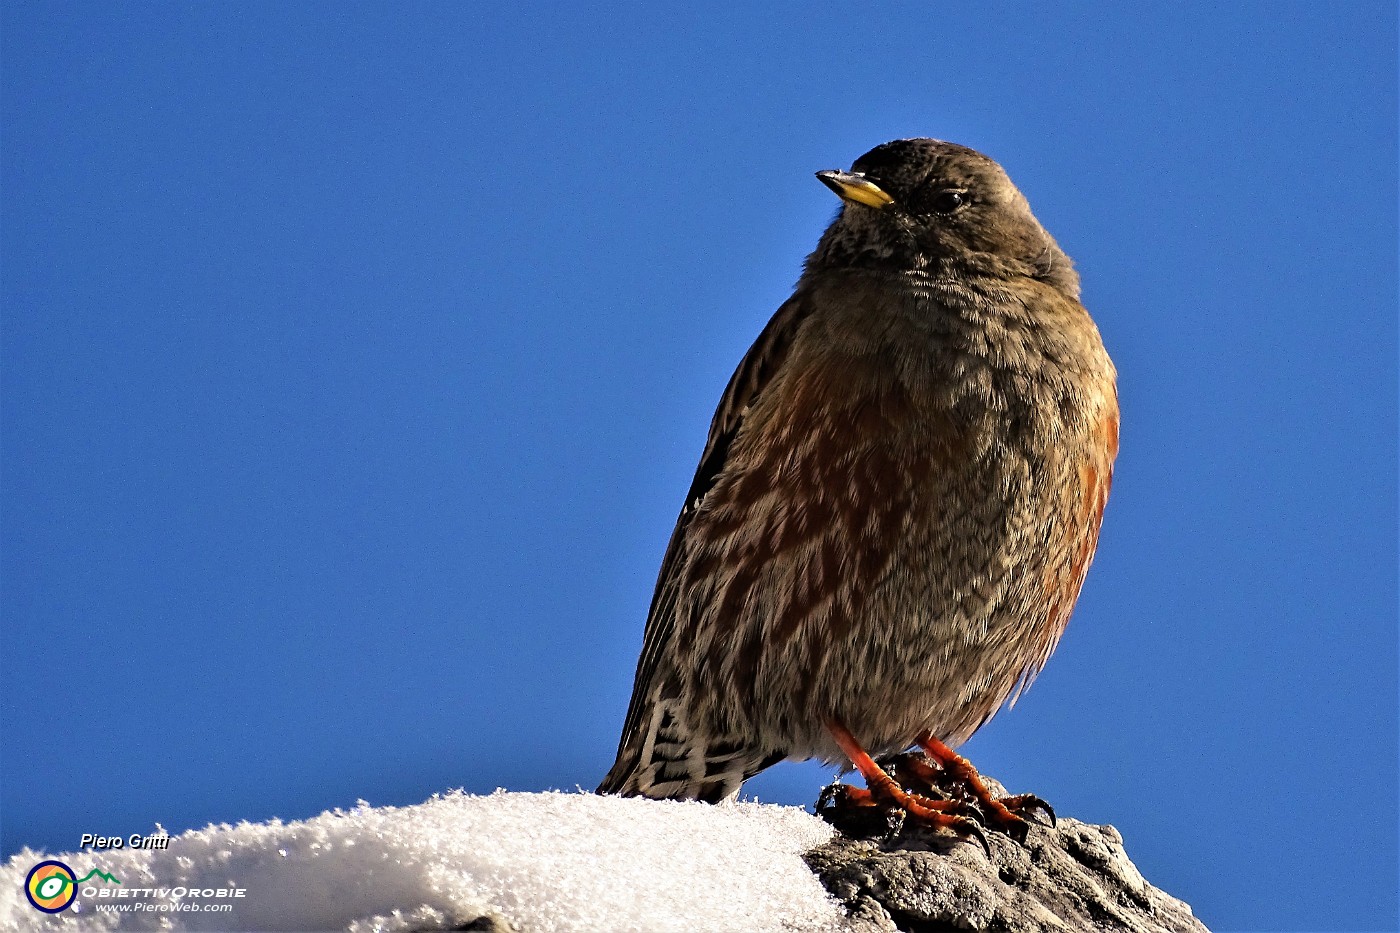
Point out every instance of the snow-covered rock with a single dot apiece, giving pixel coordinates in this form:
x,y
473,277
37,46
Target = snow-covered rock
x,y
538,862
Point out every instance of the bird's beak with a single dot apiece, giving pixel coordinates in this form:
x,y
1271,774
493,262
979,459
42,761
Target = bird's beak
x,y
854,187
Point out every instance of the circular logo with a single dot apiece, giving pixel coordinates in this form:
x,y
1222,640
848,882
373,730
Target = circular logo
x,y
51,886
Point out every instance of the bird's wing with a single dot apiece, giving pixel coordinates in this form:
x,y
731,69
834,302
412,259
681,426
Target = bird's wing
x,y
755,372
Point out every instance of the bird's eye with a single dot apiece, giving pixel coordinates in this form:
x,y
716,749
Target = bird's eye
x,y
946,202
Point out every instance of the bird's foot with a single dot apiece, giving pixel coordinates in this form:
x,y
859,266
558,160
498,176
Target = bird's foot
x,y
885,809
944,771
842,804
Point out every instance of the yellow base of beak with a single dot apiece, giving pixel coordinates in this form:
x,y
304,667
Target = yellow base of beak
x,y
855,188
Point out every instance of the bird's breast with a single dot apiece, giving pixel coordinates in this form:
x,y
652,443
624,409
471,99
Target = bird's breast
x,y
964,372
916,484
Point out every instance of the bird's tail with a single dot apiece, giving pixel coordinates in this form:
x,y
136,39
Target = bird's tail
x,y
667,760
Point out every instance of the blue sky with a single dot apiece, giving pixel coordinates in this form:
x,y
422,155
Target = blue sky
x,y
356,358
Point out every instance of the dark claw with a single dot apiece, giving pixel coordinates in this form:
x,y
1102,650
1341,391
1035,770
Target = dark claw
x,y
972,829
1018,830
971,812
1026,804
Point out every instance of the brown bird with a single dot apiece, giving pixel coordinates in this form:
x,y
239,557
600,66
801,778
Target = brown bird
x,y
896,506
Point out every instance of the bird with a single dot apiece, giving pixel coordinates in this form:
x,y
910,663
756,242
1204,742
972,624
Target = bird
x,y
898,499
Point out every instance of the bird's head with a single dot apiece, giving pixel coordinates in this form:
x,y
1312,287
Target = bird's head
x,y
925,204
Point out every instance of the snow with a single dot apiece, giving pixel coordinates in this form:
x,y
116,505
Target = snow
x,y
542,862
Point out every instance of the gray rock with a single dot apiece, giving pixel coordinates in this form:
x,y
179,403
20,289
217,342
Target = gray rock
x,y
1074,877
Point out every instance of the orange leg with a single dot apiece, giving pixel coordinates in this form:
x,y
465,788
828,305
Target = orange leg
x,y
882,789
1004,813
